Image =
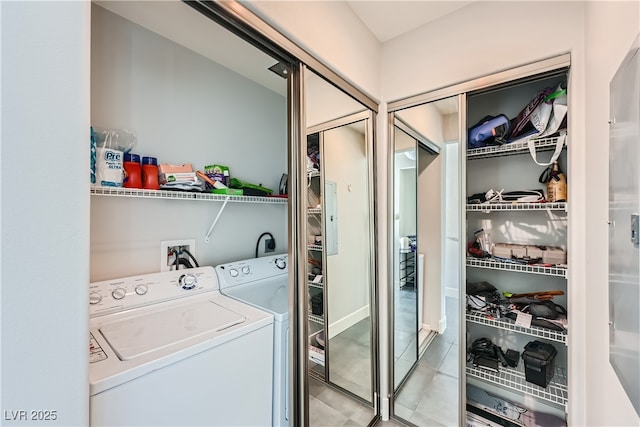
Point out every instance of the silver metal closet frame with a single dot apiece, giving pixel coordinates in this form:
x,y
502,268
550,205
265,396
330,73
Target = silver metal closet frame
x,y
237,18
421,139
373,297
460,90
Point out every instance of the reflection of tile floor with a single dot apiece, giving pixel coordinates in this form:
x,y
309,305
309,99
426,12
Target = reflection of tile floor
x,y
430,395
428,398
330,408
350,359
350,368
405,325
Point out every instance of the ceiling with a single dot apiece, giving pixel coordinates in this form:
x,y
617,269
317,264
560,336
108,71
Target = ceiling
x,y
389,19
385,19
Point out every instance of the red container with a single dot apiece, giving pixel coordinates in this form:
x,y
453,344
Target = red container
x,y
132,171
150,173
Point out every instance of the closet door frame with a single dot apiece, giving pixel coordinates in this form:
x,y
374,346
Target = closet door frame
x,y
237,18
461,90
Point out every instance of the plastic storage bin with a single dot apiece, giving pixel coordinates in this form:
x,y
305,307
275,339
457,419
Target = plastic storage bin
x,y
539,362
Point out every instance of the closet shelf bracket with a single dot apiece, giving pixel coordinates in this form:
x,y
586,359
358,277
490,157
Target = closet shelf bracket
x,y
215,221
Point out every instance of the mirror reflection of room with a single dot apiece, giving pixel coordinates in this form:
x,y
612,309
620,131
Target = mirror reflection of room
x,y
339,263
405,273
426,246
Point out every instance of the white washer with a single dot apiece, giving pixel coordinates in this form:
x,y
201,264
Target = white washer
x,y
170,349
263,282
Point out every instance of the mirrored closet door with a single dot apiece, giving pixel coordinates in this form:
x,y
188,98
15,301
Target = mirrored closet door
x,y
425,244
339,233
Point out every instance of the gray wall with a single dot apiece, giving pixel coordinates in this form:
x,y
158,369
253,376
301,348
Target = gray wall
x,y
45,211
185,108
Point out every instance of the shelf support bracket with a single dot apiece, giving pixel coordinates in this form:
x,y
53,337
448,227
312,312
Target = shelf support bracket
x,y
215,221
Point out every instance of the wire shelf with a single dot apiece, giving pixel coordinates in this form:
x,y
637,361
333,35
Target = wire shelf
x,y
522,268
514,148
515,379
316,355
314,211
316,285
509,325
183,195
316,319
495,207
314,248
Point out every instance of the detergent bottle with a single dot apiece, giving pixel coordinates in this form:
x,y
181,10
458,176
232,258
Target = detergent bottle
x,y
556,185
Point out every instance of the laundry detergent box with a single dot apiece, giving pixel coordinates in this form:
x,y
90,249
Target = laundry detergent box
x,y
218,173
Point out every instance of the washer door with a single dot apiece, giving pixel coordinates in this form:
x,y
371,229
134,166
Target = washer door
x,y
135,336
269,294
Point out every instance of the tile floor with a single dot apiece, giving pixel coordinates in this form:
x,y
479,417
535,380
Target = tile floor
x,y
405,341
328,407
350,359
430,395
428,398
350,368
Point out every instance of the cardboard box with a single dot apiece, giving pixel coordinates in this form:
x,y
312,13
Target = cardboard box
x,y
502,250
167,168
519,251
554,255
534,252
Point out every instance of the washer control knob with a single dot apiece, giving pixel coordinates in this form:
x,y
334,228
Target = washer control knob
x,y
281,263
95,297
246,269
142,289
118,293
188,281
233,272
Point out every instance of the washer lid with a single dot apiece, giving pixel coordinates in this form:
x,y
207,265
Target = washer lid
x,y
269,294
145,333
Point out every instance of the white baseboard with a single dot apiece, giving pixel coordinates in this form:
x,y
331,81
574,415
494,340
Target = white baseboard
x,y
442,325
348,321
439,327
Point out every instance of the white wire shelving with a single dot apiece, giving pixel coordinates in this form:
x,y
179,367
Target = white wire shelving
x,y
316,319
521,268
314,211
513,206
515,379
183,195
316,355
514,148
315,285
314,248
509,325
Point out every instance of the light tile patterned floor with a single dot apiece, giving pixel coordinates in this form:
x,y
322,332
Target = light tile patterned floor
x,y
330,408
430,396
